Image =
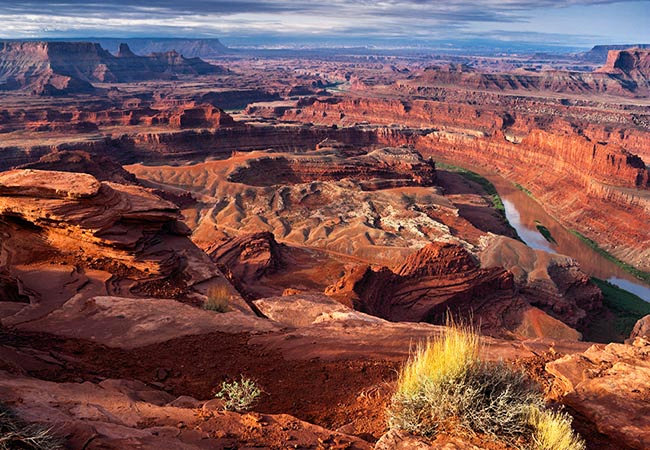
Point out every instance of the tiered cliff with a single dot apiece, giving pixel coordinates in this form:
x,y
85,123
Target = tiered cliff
x,y
70,67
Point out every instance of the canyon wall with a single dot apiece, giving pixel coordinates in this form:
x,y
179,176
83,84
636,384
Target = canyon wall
x,y
585,174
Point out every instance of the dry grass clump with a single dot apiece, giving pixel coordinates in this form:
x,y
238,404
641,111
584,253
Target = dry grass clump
x,y
446,384
239,395
15,434
553,431
218,299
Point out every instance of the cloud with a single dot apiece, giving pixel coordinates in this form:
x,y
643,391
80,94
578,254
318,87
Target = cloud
x,y
416,18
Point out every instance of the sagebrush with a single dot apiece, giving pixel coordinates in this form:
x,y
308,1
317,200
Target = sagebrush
x,y
445,384
218,299
16,434
239,395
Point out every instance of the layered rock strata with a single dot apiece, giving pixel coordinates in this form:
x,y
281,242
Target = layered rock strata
x,y
105,237
445,279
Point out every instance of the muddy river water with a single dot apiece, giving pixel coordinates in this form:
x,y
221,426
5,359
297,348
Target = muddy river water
x,y
524,213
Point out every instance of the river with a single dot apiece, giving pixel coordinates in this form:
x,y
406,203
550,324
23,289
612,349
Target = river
x,y
524,214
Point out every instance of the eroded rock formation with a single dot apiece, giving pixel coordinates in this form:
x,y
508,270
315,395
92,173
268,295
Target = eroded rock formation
x,y
111,238
442,279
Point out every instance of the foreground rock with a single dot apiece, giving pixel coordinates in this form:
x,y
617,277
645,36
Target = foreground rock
x,y
397,440
130,414
130,323
318,327
641,329
610,386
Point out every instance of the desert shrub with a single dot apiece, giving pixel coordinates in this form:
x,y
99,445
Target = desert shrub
x,y
218,299
15,434
445,384
553,431
239,395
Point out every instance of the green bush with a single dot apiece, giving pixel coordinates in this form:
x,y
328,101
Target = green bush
x,y
239,395
626,307
15,434
445,384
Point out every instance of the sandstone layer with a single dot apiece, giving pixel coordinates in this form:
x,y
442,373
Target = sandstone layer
x,y
68,234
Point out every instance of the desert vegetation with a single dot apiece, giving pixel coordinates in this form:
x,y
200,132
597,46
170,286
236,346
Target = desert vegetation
x,y
523,189
640,274
627,307
15,434
239,395
446,386
545,232
218,299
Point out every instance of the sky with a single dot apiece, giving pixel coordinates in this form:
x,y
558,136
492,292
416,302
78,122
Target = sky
x,y
579,23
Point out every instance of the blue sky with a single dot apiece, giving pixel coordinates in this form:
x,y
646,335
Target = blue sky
x,y
568,23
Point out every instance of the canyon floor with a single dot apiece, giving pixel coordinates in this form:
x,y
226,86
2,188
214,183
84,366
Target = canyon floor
x,y
341,209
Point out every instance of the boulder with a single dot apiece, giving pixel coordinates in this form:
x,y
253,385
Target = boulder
x,y
610,386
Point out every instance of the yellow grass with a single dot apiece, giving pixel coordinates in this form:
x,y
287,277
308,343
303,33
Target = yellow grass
x,y
553,431
445,357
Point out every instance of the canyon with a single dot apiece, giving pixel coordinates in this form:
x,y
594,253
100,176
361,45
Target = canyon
x,y
168,224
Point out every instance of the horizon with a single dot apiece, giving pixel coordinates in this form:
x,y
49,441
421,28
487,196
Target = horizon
x,y
510,26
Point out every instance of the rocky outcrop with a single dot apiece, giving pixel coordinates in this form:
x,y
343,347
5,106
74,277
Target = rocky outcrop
x,y
301,310
201,116
378,169
532,80
102,168
75,219
130,414
641,329
598,53
551,282
190,48
81,121
399,440
248,257
610,386
136,322
442,279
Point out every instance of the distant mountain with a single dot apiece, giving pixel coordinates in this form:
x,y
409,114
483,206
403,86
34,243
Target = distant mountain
x,y
56,68
626,73
598,54
190,48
